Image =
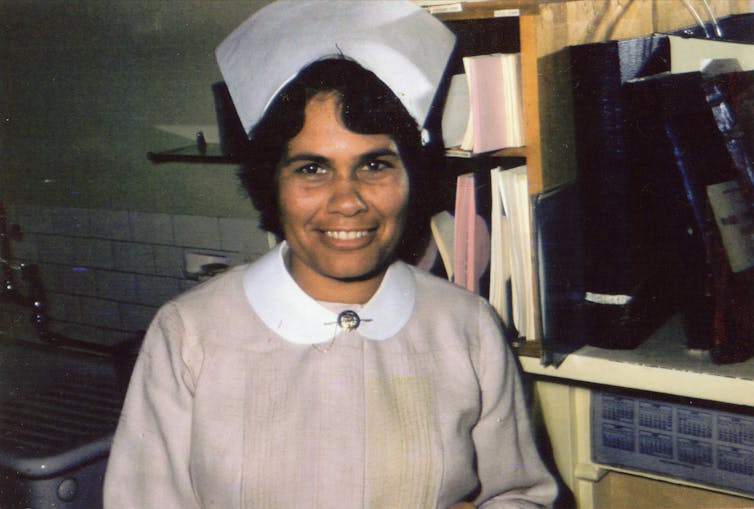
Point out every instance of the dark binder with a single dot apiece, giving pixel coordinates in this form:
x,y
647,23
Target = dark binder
x,y
624,278
559,251
730,97
680,139
734,28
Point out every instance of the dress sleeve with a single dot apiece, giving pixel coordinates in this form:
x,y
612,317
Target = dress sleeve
x,y
510,470
149,459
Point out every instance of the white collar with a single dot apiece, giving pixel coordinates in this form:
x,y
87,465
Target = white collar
x,y
286,309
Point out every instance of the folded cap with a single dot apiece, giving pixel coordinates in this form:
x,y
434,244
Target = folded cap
x,y
406,47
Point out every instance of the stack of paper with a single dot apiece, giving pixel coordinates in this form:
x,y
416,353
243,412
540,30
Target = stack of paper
x,y
484,107
500,258
472,239
511,264
443,233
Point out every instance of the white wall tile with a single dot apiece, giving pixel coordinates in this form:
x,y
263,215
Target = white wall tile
x,y
78,280
33,219
77,331
25,248
52,277
110,224
168,261
188,284
120,286
155,290
151,228
112,269
196,231
56,249
236,233
100,313
130,257
70,221
61,306
93,252
90,333
136,317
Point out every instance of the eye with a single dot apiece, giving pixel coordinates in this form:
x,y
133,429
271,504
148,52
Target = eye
x,y
377,165
310,169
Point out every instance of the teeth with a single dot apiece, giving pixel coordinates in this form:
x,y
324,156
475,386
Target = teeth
x,y
346,235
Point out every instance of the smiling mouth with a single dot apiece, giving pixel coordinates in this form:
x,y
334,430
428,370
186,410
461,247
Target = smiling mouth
x,y
346,235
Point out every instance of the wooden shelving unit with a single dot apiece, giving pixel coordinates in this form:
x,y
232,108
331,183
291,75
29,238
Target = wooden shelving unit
x,y
663,366
546,28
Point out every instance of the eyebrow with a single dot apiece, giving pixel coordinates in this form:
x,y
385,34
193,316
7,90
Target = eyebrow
x,y
317,158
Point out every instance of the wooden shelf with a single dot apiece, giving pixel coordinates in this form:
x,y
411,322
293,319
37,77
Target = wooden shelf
x,y
544,30
662,364
467,154
449,10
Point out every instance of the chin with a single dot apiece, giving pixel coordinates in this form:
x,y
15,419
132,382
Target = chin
x,y
362,273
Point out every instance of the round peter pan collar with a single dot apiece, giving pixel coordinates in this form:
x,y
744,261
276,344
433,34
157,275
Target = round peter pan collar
x,y
286,309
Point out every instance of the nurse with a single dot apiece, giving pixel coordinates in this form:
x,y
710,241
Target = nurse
x,y
330,373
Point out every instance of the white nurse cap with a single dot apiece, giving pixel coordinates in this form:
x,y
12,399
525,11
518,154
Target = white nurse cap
x,y
405,46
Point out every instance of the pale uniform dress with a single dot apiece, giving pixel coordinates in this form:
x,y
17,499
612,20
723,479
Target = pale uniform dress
x,y
418,406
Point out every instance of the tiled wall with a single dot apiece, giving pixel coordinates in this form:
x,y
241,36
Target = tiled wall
x,y
106,272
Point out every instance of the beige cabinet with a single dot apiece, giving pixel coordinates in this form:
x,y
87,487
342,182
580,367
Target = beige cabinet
x,y
658,368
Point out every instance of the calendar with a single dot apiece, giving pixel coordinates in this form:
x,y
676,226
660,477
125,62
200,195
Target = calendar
x,y
694,442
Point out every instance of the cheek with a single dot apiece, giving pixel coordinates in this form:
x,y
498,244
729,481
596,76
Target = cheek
x,y
395,204
402,196
292,210
294,201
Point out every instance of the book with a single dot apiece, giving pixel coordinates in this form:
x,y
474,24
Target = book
x,y
485,113
624,275
456,111
647,149
471,252
603,136
442,226
730,96
681,138
559,247
735,223
500,296
729,93
516,258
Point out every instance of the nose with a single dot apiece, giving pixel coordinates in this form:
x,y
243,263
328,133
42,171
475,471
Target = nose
x,y
346,198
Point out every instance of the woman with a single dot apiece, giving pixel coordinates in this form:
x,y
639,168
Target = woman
x,y
328,373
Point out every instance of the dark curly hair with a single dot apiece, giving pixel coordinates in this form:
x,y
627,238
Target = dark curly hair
x,y
367,106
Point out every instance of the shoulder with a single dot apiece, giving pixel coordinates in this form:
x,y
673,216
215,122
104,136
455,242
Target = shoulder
x,y
213,312
213,292
221,283
440,293
454,313
211,306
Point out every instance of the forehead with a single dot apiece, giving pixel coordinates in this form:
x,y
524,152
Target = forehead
x,y
325,131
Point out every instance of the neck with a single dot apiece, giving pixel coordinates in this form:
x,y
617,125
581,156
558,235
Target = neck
x,y
327,289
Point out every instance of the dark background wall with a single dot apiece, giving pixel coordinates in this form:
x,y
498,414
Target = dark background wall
x,y
82,85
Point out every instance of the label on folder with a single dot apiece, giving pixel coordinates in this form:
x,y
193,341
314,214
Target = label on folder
x,y
735,223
